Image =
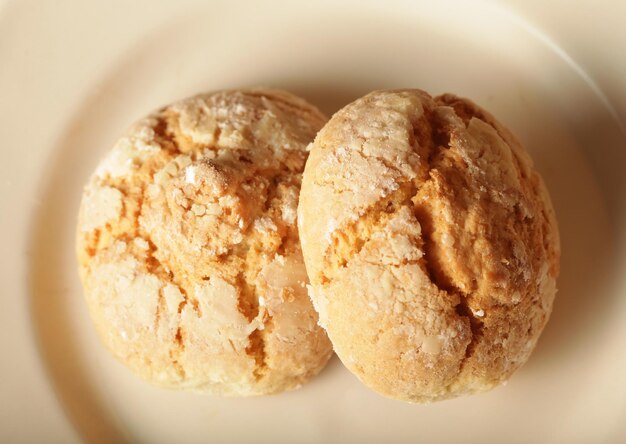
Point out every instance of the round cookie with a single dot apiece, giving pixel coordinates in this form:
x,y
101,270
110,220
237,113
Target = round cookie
x,y
431,244
188,246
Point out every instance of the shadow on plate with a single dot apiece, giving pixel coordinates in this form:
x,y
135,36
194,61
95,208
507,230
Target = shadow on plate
x,y
590,202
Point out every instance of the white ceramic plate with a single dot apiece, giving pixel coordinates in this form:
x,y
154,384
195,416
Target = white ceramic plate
x,y
74,74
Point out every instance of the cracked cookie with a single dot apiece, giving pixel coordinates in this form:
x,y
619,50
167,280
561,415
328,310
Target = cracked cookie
x,y
188,246
430,242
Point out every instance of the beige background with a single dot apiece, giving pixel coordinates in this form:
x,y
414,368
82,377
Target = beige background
x,y
73,74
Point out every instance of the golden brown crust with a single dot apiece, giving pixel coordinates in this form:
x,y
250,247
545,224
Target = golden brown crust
x,y
188,248
430,242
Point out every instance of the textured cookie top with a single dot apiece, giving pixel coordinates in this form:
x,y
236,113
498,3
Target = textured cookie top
x,y
430,242
188,248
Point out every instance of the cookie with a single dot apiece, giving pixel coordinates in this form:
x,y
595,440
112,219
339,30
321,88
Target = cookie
x,y
188,247
430,242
